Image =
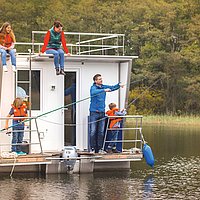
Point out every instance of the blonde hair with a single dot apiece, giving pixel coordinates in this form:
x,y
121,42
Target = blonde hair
x,y
3,30
17,102
112,105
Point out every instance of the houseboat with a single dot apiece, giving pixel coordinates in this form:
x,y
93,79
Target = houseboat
x,y
56,124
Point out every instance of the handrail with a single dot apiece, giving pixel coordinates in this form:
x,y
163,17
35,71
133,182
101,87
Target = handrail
x,y
135,128
79,44
78,33
17,118
21,144
127,116
97,39
71,45
30,131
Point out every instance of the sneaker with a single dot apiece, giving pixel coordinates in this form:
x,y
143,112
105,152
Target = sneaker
x,y
92,151
109,150
115,151
101,151
14,68
62,72
21,153
5,69
57,71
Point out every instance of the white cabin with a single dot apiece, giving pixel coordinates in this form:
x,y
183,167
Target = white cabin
x,y
61,126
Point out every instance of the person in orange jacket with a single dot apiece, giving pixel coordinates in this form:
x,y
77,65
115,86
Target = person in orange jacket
x,y
7,43
115,124
19,109
52,45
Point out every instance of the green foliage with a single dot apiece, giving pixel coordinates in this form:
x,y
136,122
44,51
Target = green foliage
x,y
164,34
145,101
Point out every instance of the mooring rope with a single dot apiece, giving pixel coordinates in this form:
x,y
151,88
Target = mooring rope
x,y
133,101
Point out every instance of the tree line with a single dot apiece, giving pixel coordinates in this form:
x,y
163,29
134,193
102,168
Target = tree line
x,y
165,34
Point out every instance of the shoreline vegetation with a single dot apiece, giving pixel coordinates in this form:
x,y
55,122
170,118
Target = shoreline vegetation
x,y
169,120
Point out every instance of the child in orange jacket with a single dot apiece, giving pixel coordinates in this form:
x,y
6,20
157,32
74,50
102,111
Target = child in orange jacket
x,y
19,109
114,123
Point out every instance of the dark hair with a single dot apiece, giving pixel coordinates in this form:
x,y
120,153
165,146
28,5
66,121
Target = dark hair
x,y
57,24
112,105
96,76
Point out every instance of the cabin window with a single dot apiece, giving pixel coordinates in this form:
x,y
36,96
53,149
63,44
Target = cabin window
x,y
23,82
70,112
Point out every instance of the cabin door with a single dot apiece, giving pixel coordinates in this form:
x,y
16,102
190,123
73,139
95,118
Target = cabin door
x,y
70,111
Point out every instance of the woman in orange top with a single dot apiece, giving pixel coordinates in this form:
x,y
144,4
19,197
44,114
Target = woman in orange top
x,y
7,40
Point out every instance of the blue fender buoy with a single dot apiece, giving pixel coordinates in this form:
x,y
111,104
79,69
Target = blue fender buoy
x,y
148,155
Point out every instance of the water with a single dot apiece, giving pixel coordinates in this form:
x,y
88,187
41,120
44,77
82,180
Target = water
x,y
176,175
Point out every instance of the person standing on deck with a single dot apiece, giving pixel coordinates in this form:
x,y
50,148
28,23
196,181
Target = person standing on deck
x,y
19,109
115,123
52,45
97,112
7,40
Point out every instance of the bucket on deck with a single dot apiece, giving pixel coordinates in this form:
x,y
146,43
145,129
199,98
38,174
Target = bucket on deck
x,y
148,155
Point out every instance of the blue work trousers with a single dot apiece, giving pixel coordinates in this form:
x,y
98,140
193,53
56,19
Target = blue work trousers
x,y
97,127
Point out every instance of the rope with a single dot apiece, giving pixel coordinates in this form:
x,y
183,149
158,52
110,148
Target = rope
x,y
10,155
133,101
103,118
13,167
65,106
76,124
77,102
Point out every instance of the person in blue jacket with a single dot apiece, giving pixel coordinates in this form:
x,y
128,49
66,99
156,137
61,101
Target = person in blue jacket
x,y
97,112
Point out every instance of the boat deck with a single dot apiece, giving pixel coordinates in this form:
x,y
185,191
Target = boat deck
x,y
47,161
29,159
119,157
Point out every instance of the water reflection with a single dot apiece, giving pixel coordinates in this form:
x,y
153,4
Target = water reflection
x,y
175,175
148,186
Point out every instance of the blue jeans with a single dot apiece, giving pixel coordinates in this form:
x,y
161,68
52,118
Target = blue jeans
x,y
17,137
58,57
97,130
12,55
113,137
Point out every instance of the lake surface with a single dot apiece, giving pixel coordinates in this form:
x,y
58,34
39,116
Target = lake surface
x,y
176,174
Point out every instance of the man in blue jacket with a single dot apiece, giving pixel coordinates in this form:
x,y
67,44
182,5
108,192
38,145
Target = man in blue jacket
x,y
97,112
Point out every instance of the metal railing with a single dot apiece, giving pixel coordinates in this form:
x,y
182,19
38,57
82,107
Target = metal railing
x,y
10,131
87,43
134,125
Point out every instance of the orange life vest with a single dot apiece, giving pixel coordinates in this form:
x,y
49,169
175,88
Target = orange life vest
x,y
113,121
20,112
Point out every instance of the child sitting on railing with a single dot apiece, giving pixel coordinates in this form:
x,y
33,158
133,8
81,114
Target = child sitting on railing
x,y
114,124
